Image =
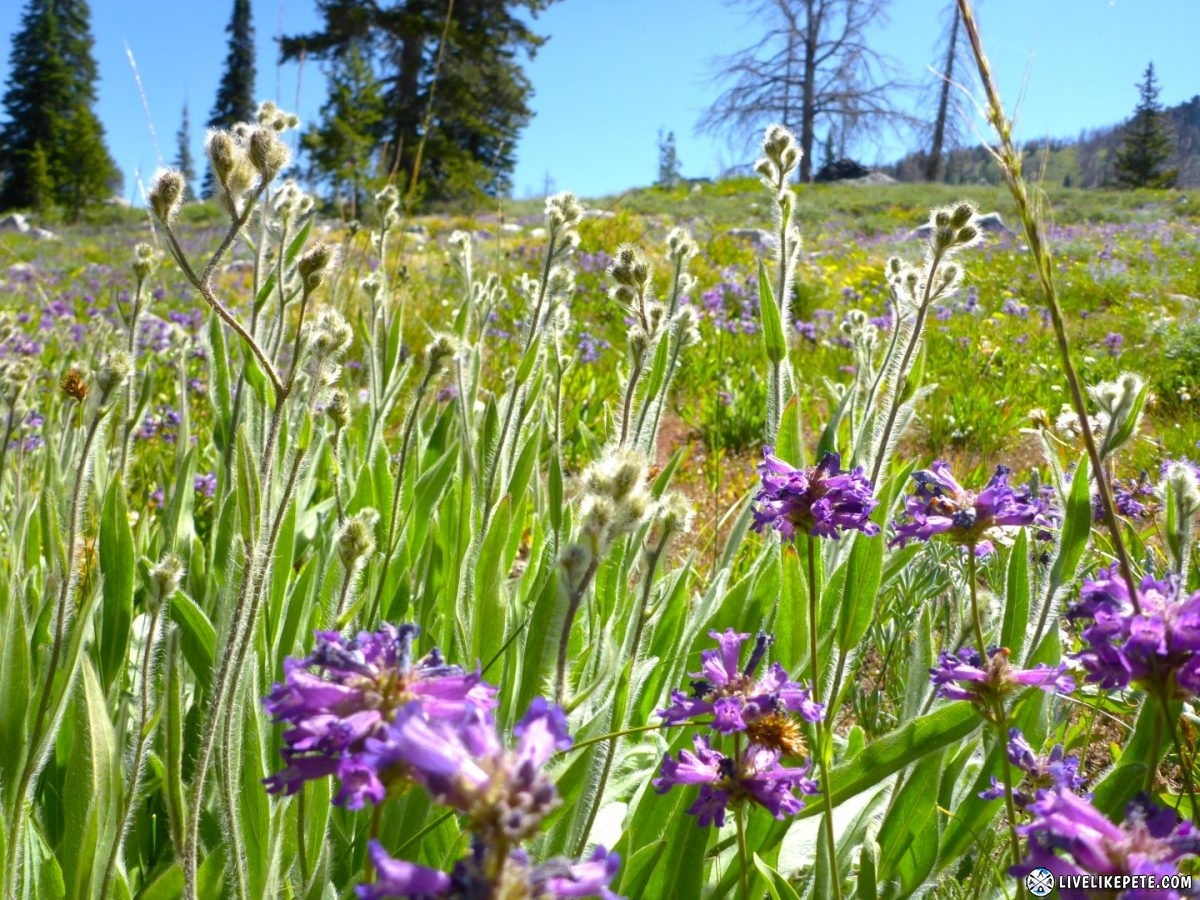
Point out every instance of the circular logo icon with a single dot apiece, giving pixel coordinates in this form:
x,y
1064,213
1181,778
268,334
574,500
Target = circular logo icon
x,y
1040,882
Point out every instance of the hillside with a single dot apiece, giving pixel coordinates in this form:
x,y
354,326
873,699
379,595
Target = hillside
x,y
1085,162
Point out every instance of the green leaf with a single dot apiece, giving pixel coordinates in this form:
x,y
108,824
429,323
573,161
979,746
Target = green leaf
x,y
16,680
555,510
828,442
860,591
94,774
488,613
1016,594
289,258
219,390
789,443
1123,781
254,809
1077,527
117,567
772,323
868,865
173,739
778,886
908,837
198,637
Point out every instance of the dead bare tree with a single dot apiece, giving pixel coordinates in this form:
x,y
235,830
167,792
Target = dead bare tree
x,y
812,68
933,167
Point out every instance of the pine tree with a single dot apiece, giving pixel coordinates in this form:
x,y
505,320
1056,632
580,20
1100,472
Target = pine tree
x,y
48,104
235,94
1146,143
341,145
668,161
183,154
454,109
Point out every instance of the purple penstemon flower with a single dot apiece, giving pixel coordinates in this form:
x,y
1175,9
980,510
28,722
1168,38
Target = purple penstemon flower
x,y
943,506
358,686
1157,649
555,878
964,676
1069,837
463,764
755,777
1054,771
739,701
820,500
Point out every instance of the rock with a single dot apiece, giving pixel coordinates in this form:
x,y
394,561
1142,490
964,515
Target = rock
x,y
599,214
15,223
240,265
840,170
510,228
537,233
869,179
43,235
758,235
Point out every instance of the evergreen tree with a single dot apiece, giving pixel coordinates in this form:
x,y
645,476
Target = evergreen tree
x,y
454,108
668,161
1146,142
52,144
183,154
341,145
235,94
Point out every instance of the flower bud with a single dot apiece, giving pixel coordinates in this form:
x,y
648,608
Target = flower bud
x,y
166,196
440,351
268,154
114,371
338,410
313,265
165,578
961,215
356,540
144,260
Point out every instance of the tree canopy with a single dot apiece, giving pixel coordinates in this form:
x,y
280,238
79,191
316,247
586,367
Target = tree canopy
x,y
1146,142
449,73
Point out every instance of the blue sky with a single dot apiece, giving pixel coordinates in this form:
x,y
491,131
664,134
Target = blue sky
x,y
616,72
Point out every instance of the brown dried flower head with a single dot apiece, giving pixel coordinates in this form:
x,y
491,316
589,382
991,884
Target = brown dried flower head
x,y
74,385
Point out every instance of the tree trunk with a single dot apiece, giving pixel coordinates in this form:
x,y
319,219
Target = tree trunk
x,y
939,126
808,101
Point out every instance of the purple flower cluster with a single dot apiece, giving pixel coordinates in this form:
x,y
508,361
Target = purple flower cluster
x,y
1055,771
943,506
740,703
206,484
821,500
590,347
732,305
1156,648
1069,836
964,676
364,710
358,687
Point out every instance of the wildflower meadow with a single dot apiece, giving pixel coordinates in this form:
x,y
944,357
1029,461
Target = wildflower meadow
x,y
776,553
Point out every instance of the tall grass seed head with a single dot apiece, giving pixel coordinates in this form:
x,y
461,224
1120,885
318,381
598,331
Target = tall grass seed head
x,y
268,154
165,578
166,195
356,539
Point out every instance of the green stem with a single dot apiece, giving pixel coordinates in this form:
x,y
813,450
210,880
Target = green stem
x,y
1002,738
743,855
977,619
824,734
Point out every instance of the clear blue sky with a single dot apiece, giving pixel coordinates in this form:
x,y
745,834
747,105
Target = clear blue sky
x,y
615,72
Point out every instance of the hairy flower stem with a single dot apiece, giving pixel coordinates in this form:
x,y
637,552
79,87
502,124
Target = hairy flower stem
x,y
564,638
66,595
131,346
635,374
897,393
1186,765
1010,806
739,814
975,616
144,733
10,424
619,707
824,733
1010,165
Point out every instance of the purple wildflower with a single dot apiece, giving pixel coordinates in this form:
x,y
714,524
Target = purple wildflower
x,y
1055,771
359,685
462,764
206,484
943,506
963,676
821,500
738,701
555,878
1149,841
756,777
590,347
1155,648
1113,341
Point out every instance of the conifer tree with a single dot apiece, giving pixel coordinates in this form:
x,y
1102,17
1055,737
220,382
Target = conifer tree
x,y
1146,142
340,147
183,153
52,144
668,161
454,108
235,94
